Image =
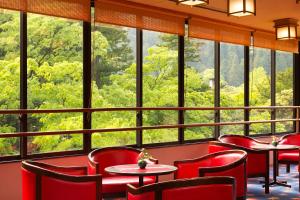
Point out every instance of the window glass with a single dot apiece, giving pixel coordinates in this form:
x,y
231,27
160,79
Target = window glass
x,y
54,81
284,90
9,79
260,89
199,86
232,86
160,85
114,84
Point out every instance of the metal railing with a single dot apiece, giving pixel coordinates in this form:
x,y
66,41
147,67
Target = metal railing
x,y
21,112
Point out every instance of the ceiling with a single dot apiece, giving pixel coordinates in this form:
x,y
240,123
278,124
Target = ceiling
x,y
266,12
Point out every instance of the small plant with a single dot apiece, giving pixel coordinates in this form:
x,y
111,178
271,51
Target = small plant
x,y
274,141
142,158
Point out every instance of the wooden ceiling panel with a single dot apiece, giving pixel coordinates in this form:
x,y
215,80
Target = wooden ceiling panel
x,y
266,12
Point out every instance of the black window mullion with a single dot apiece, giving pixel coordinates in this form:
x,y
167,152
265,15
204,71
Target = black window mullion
x,y
296,84
217,87
273,90
181,87
23,82
87,84
139,85
246,87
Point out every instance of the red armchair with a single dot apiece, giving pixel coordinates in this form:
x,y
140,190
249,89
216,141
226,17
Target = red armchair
x,y
115,185
226,163
257,161
212,188
41,181
289,157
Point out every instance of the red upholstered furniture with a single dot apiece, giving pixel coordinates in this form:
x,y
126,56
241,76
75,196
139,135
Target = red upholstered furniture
x,y
41,181
115,185
290,156
206,188
257,161
226,163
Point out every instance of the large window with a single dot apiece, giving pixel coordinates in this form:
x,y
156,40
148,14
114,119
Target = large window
x,y
199,86
260,89
114,84
232,86
160,85
9,78
284,90
54,81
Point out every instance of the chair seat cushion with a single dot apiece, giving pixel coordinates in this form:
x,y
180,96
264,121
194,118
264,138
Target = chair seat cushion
x,y
293,156
115,184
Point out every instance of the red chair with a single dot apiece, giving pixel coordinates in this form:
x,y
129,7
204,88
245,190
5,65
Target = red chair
x,y
206,188
41,181
115,185
257,161
289,157
226,163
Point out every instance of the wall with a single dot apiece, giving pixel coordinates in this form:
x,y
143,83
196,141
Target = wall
x,y
10,174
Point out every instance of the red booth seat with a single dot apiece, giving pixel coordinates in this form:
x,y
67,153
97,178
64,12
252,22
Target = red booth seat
x,y
257,161
289,156
115,185
206,188
226,163
41,181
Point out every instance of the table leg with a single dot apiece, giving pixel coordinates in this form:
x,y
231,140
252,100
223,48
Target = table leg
x,y
275,169
141,181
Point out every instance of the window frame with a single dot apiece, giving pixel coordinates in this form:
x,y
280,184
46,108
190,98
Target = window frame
x,y
87,100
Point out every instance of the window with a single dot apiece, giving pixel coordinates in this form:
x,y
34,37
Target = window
x,y
114,84
54,81
260,89
9,79
284,90
160,85
232,86
199,86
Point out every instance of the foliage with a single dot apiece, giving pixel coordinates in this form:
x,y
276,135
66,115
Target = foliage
x,y
55,81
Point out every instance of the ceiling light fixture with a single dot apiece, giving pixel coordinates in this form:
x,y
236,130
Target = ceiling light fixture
x,y
193,2
241,8
286,29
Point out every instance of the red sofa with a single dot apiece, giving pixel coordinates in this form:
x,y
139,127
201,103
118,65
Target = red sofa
x,y
289,157
226,163
257,161
206,188
115,185
41,181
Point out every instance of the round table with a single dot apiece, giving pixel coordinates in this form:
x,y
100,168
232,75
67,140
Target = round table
x,y
134,170
275,149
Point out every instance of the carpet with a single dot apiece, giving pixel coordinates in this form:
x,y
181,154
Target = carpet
x,y
256,192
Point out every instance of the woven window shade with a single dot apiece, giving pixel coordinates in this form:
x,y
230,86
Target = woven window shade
x,y
71,9
268,40
135,15
210,30
13,4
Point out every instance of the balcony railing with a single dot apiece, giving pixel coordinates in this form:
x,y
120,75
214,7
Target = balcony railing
x,y
22,112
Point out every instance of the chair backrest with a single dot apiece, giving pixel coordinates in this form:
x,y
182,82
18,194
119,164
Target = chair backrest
x,y
239,140
292,139
226,163
41,181
211,188
190,168
110,156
